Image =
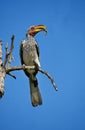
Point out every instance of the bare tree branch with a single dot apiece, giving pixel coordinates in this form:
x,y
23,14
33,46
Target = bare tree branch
x,y
8,56
5,64
11,75
31,68
50,77
23,67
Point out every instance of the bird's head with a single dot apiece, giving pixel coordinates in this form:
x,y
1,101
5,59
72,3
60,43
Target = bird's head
x,y
33,30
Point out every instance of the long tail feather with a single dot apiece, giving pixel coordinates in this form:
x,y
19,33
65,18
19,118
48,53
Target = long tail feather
x,y
35,93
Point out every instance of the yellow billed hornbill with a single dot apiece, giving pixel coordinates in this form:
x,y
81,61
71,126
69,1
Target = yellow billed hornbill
x,y
29,54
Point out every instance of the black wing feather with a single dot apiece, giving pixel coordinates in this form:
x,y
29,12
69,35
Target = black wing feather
x,y
37,49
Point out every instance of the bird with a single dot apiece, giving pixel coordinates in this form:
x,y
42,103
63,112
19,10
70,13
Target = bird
x,y
30,56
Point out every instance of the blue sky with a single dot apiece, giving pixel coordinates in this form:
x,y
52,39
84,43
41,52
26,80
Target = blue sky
x,y
62,54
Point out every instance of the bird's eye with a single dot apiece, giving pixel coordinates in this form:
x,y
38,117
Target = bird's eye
x,y
32,28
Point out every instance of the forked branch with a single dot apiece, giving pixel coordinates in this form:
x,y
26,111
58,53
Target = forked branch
x,y
23,67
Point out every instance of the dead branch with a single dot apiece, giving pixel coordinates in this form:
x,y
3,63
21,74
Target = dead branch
x,y
11,75
8,56
23,67
10,52
5,64
50,77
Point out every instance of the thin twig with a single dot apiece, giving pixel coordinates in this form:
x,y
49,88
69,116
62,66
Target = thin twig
x,y
6,56
10,52
50,77
12,44
11,75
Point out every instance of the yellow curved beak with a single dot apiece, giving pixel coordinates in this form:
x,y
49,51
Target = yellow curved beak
x,y
40,28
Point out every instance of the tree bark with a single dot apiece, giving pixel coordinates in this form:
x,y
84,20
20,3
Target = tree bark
x,y
2,72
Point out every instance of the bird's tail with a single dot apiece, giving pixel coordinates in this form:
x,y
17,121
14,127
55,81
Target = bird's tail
x,y
34,92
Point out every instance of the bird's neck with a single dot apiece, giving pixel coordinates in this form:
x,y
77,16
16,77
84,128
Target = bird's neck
x,y
30,36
